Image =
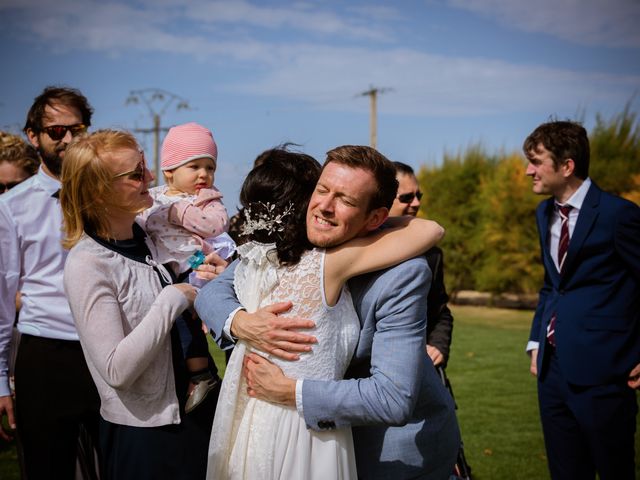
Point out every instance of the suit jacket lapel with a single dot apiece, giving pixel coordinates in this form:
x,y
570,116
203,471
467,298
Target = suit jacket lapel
x,y
545,219
586,217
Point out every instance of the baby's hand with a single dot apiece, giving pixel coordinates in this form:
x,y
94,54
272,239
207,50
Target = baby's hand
x,y
205,195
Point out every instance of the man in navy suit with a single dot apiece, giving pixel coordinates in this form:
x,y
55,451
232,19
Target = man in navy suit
x,y
585,336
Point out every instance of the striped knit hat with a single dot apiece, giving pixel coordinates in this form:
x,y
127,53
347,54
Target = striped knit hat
x,y
187,142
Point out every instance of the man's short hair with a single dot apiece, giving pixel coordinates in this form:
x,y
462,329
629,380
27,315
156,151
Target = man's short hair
x,y
369,159
16,151
69,97
564,140
404,169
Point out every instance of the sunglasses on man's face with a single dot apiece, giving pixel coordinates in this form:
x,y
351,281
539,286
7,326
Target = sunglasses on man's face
x,y
5,187
137,174
408,197
58,132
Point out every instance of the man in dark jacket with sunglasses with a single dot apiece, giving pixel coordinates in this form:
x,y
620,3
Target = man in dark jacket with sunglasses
x,y
56,398
440,319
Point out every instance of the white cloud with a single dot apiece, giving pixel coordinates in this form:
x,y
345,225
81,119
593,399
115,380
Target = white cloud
x,y
325,76
206,27
609,23
302,17
118,29
377,12
427,84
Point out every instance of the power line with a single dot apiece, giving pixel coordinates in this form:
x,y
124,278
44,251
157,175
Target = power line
x,y
157,102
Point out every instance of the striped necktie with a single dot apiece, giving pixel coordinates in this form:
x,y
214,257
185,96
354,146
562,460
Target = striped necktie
x,y
563,246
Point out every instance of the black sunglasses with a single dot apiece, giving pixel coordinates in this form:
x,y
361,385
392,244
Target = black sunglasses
x,y
408,197
58,132
5,187
137,174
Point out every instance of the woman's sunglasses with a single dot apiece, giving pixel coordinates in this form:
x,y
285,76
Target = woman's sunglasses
x,y
58,132
137,174
408,197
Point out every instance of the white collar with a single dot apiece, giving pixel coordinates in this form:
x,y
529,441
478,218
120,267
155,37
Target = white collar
x,y
577,199
50,184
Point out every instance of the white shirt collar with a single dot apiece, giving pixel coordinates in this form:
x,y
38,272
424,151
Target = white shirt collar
x,y
49,184
577,199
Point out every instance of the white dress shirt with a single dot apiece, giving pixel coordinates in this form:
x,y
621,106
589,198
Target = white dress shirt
x,y
576,200
32,261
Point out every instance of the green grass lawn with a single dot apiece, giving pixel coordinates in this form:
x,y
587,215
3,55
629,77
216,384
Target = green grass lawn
x,y
496,394
496,397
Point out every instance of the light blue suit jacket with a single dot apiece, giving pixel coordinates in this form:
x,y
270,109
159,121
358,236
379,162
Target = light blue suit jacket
x,y
403,419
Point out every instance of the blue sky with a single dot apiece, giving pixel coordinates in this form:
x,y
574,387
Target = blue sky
x,y
262,73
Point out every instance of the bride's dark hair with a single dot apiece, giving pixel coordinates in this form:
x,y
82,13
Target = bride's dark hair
x,y
278,189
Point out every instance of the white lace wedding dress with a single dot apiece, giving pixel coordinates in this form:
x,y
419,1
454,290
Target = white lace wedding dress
x,y
253,439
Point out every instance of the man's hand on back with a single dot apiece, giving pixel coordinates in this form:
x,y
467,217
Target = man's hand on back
x,y
267,382
267,331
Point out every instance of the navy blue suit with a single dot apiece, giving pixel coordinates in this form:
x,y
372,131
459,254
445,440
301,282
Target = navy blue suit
x,y
587,410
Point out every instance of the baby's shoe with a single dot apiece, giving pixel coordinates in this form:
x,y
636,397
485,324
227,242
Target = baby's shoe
x,y
203,384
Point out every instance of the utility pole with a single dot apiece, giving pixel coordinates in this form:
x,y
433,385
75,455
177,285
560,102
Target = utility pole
x,y
161,99
372,93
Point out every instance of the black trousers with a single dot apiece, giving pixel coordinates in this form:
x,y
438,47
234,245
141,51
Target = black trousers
x,y
192,339
55,394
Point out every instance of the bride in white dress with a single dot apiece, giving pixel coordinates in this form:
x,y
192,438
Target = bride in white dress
x,y
254,439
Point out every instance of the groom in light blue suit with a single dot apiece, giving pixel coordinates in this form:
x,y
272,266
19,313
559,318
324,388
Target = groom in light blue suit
x,y
403,419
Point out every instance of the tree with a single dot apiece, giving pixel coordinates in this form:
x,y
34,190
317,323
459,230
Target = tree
x,y
634,194
486,205
451,199
615,152
509,255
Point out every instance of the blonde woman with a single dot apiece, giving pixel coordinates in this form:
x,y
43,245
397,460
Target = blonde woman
x,y
124,306
18,161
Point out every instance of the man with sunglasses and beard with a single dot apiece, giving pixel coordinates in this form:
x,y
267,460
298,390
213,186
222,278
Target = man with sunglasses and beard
x,y
56,398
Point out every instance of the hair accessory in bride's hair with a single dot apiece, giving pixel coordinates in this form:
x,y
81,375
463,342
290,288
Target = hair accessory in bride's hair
x,y
264,216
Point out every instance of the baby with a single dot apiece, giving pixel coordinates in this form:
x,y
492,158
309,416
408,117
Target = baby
x,y
186,222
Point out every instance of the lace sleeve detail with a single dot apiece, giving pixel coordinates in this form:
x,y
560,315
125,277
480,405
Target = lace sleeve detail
x,y
256,275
